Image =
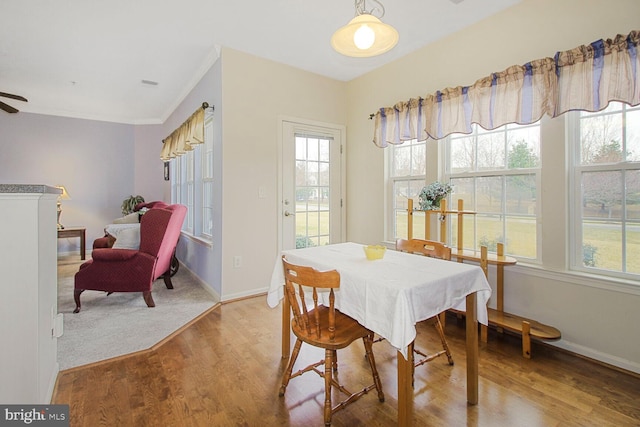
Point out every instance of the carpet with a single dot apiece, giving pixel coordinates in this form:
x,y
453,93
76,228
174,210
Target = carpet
x,y
121,323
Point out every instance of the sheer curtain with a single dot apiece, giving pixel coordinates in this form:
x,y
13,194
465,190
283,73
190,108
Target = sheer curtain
x,y
584,78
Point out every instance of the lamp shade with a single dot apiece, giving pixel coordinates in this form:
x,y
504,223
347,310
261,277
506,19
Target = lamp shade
x,y
365,35
65,193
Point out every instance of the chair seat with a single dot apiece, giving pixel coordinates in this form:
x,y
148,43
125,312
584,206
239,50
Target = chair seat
x,y
347,330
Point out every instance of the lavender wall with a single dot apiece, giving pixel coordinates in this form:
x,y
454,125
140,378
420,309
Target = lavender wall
x,y
94,160
204,260
149,169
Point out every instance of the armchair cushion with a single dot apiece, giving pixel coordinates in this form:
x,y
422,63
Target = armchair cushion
x,y
132,218
128,238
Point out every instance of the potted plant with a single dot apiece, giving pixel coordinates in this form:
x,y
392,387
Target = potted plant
x,y
431,195
130,203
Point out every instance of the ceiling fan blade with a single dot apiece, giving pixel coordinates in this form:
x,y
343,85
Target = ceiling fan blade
x,y
8,108
9,95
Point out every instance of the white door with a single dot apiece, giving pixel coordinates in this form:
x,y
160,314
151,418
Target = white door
x,y
311,204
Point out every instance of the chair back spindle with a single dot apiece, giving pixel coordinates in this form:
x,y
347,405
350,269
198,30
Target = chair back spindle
x,y
305,279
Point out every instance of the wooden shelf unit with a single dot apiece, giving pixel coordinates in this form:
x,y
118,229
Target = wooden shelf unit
x,y
527,328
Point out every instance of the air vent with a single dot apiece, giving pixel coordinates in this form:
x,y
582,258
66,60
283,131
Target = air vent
x,y
149,82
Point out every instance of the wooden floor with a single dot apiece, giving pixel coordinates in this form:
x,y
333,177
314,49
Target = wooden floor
x,y
225,370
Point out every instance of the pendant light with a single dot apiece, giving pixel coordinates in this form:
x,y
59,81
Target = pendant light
x,y
365,35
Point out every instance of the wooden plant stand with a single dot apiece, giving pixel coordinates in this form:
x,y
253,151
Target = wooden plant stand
x,y
498,318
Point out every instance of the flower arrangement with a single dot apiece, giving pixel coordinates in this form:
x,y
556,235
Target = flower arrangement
x,y
430,196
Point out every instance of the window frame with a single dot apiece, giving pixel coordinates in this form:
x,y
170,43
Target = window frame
x,y
190,176
206,227
442,153
575,170
391,181
503,172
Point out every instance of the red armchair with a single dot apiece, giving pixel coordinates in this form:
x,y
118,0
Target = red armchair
x,y
107,241
130,270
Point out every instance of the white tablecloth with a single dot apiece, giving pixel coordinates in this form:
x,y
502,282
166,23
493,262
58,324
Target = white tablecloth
x,y
390,295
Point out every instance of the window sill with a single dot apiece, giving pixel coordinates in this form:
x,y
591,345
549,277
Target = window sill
x,y
198,239
626,286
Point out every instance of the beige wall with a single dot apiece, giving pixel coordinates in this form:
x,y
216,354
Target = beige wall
x,y
597,318
255,93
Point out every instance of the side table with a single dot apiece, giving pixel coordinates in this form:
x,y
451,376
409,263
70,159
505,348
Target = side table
x,y
75,232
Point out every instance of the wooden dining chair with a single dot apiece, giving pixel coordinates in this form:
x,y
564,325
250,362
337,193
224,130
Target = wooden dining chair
x,y
435,250
323,327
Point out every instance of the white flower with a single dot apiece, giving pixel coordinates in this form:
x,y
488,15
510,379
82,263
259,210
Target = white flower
x,y
430,196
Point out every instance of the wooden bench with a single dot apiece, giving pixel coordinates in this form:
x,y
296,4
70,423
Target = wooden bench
x,y
502,321
523,326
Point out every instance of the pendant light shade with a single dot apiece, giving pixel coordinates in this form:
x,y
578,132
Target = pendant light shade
x,y
365,35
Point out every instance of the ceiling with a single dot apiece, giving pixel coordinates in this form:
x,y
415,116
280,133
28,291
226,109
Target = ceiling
x,y
88,58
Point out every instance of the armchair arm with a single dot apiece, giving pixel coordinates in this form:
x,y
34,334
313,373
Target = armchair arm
x,y
115,255
117,270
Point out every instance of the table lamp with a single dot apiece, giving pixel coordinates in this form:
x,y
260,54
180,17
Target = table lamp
x,y
63,196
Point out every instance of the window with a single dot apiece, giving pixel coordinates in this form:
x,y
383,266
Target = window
x,y
192,185
183,185
312,190
496,174
606,190
407,174
207,180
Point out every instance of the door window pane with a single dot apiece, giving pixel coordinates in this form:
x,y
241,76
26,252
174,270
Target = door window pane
x,y
312,190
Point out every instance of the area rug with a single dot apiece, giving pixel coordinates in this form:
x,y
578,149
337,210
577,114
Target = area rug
x,y
121,323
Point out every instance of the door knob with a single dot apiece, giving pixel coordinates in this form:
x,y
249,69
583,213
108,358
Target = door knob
x,y
287,213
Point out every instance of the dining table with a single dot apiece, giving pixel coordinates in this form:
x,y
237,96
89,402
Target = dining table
x,y
389,296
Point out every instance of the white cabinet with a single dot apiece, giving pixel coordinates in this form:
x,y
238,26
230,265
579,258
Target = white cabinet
x,y
28,293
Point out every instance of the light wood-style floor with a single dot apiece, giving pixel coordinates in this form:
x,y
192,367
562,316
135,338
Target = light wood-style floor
x,y
225,370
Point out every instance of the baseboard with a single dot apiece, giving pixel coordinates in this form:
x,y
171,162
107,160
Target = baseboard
x,y
247,294
596,356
